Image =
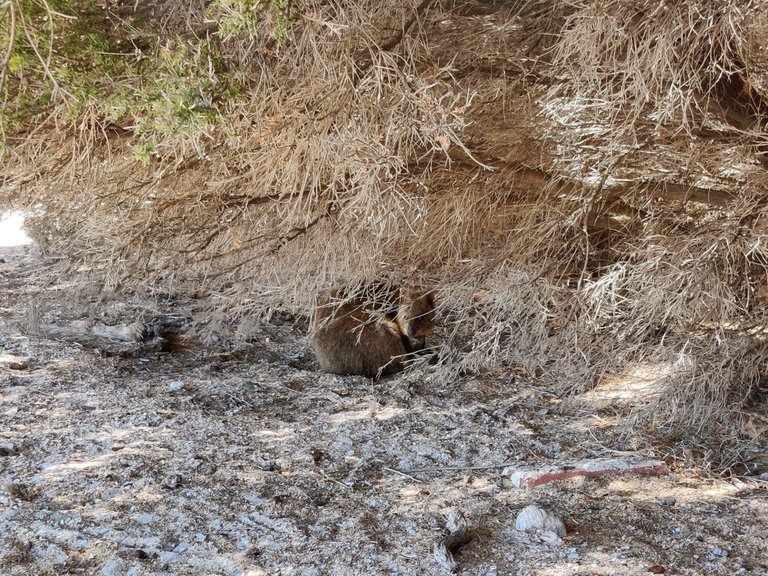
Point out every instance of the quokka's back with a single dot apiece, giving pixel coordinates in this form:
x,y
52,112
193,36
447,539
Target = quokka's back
x,y
352,339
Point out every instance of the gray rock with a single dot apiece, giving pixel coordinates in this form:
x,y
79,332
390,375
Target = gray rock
x,y
534,518
146,518
176,385
114,568
170,557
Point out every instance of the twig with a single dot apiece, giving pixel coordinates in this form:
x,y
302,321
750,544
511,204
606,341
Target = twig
x,y
401,473
459,468
395,40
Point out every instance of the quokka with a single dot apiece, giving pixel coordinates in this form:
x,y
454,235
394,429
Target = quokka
x,y
352,339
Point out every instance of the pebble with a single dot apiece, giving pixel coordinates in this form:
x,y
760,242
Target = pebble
x,y
172,481
146,518
215,525
176,385
113,568
170,557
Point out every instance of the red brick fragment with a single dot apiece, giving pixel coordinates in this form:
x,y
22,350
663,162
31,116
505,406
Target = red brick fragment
x,y
529,476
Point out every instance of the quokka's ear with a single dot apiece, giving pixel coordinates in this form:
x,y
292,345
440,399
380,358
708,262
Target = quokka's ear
x,y
408,293
411,293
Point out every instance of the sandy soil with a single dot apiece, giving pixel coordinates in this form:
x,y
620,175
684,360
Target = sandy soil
x,y
125,459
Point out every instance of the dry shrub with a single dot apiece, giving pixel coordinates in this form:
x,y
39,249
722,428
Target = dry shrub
x,y
582,181
655,60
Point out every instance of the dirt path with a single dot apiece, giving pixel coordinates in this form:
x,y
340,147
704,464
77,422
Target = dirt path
x,y
122,460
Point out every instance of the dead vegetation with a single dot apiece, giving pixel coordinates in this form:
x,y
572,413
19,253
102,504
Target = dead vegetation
x,y
583,182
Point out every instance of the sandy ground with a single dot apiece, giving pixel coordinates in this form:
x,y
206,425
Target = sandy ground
x,y
125,459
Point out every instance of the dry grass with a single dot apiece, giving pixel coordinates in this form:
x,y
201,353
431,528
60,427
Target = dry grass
x,y
582,182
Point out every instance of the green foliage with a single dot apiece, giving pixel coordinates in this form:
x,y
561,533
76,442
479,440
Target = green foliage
x,y
162,87
241,17
174,97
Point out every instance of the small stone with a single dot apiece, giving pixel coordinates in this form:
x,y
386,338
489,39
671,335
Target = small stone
x,y
113,568
170,557
176,385
534,518
215,525
719,552
172,481
668,501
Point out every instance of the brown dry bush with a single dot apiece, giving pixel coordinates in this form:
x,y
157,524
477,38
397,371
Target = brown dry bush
x,y
584,183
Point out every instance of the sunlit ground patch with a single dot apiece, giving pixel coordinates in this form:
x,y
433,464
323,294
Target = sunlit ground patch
x,y
11,233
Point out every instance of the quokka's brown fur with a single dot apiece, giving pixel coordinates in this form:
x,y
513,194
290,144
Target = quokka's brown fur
x,y
351,339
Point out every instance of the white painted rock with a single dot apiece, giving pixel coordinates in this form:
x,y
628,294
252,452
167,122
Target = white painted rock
x,y
534,518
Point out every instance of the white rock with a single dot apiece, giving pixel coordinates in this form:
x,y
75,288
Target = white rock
x,y
113,568
146,518
170,557
215,525
534,518
176,385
